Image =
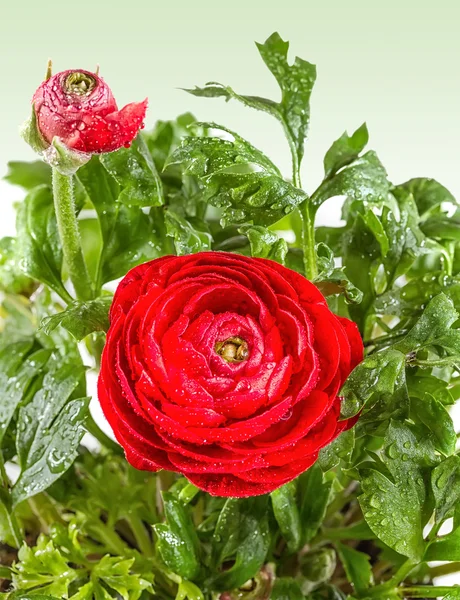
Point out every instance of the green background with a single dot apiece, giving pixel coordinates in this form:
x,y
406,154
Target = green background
x,y
394,64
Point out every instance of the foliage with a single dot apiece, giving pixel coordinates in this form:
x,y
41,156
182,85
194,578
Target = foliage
x,y
363,522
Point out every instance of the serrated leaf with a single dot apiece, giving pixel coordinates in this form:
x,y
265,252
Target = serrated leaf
x,y
207,154
340,449
136,173
365,179
43,569
265,243
177,539
433,327
242,534
116,573
394,506
284,503
188,238
254,197
237,178
81,318
357,566
377,375
345,150
49,430
296,82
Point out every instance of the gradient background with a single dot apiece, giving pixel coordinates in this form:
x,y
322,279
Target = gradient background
x,y
394,64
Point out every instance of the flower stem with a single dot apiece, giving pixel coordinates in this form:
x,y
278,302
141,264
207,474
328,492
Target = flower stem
x,y
64,205
308,239
426,591
141,535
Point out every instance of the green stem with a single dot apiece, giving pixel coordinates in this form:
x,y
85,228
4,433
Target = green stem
x,y
64,205
308,239
108,537
426,591
143,540
393,583
447,569
93,428
11,517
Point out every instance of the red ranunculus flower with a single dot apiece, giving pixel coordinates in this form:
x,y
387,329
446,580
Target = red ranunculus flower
x,y
78,107
226,369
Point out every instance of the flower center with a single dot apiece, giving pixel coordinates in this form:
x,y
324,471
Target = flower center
x,y
234,349
79,83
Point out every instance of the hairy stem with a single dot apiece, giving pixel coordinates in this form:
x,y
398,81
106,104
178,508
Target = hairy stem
x,y
64,205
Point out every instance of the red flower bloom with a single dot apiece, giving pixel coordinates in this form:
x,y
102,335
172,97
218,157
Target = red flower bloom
x,y
226,369
78,107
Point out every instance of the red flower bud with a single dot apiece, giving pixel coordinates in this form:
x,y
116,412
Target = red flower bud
x,y
78,107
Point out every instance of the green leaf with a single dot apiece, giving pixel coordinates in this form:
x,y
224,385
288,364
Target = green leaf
x,y
188,238
165,137
43,569
18,367
365,179
442,228
238,178
286,588
377,375
435,417
178,543
316,567
38,240
81,318
116,573
428,194
28,174
332,280
314,494
445,548
242,534
135,171
394,505
345,150
296,82
9,533
254,197
433,326
340,449
357,567
284,503
128,234
188,590
49,430
206,154
445,483
265,243
12,278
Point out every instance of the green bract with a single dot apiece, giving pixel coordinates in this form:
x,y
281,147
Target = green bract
x,y
368,518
